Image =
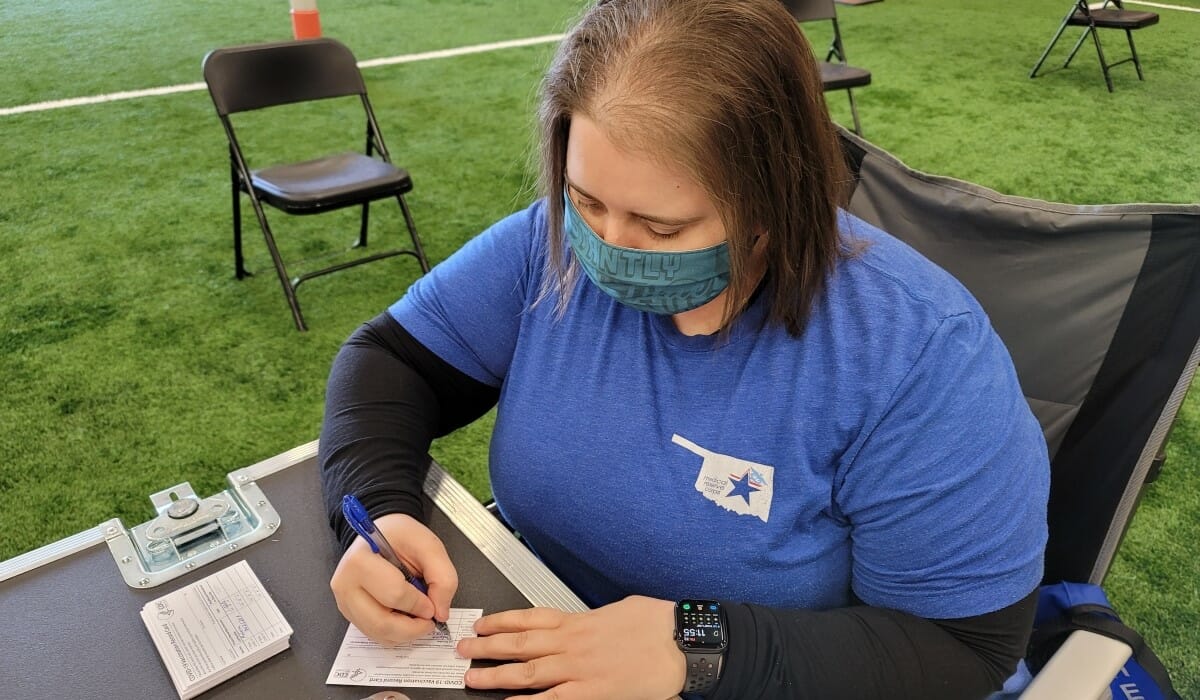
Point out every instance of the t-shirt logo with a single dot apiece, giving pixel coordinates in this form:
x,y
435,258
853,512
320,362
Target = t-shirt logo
x,y
737,485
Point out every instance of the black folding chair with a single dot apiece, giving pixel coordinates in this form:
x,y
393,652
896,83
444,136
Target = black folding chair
x,y
1115,17
836,74
246,78
1099,306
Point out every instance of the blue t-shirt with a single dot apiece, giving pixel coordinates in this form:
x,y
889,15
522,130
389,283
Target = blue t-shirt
x,y
888,450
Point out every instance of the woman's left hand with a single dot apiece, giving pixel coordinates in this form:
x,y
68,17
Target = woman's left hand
x,y
622,650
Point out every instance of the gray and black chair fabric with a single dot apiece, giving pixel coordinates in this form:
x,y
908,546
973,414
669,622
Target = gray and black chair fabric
x,y
836,74
1099,306
254,77
1092,20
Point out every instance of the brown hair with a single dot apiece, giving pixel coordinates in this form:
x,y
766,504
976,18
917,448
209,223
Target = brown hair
x,y
728,90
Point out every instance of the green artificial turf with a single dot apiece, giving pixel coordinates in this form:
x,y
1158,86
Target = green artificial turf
x,y
130,358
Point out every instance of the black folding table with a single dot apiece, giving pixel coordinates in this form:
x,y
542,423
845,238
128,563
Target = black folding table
x,y
70,610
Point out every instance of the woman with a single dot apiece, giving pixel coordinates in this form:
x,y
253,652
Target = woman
x,y
747,397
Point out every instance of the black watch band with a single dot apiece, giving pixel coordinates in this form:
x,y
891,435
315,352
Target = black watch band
x,y
703,671
700,633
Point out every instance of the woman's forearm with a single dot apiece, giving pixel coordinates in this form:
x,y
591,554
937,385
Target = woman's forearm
x,y
861,653
387,398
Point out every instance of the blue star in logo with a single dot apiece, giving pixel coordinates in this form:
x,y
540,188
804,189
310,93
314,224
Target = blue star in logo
x,y
742,487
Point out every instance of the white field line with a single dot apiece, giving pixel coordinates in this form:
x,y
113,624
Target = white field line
x,y
193,87
371,63
1158,5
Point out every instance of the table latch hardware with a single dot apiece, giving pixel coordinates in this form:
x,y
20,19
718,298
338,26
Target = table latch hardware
x,y
189,531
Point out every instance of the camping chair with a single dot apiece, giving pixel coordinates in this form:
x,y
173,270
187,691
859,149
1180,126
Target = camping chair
x,y
1081,15
835,75
245,78
1099,307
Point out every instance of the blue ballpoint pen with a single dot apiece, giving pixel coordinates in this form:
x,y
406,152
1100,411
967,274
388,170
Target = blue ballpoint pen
x,y
361,521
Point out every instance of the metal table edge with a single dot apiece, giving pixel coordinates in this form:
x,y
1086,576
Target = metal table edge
x,y
524,570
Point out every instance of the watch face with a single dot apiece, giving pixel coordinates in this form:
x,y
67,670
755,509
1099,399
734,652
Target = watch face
x,y
699,625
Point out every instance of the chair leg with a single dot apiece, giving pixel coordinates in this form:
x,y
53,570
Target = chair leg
x,y
239,263
412,232
362,230
1061,28
1133,52
1075,49
854,112
1103,63
289,289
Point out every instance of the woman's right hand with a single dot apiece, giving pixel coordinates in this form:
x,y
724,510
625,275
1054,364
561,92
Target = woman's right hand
x,y
372,594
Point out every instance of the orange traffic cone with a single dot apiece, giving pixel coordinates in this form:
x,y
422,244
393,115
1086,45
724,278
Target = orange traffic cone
x,y
306,21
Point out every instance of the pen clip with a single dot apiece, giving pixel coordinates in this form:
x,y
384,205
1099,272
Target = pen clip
x,y
356,514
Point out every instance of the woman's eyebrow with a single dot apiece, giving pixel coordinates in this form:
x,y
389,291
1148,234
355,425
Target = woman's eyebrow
x,y
654,219
668,222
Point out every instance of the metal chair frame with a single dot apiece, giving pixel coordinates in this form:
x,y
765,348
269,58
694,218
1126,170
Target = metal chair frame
x,y
822,10
346,81
1081,15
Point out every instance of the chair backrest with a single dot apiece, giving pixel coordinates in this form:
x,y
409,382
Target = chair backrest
x,y
811,10
244,78
1099,306
1086,7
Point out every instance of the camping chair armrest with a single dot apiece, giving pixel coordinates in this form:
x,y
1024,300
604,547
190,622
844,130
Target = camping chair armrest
x,y
1082,668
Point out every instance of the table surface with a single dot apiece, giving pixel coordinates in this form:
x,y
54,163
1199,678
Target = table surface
x,y
71,628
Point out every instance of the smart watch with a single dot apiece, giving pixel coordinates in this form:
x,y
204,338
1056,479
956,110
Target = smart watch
x,y
700,632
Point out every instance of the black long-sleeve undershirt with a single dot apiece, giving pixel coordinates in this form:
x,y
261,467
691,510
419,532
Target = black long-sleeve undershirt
x,y
388,397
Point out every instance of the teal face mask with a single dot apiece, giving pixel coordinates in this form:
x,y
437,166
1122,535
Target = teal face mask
x,y
654,281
